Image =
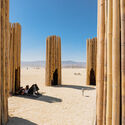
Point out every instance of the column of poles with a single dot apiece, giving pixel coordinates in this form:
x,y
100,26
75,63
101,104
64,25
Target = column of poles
x,y
91,58
15,57
111,62
4,60
53,59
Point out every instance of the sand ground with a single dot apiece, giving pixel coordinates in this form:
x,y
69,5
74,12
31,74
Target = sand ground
x,y
62,105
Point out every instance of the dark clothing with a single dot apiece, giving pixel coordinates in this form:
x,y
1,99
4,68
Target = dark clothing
x,y
55,78
33,88
92,77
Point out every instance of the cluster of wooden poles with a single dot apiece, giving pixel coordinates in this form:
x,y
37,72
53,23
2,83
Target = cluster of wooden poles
x,y
15,57
10,44
111,62
53,61
91,61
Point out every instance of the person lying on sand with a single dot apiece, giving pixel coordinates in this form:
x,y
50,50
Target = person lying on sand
x,y
33,90
21,91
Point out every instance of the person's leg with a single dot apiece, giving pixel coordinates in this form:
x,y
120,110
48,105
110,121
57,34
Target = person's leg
x,y
34,90
30,90
37,88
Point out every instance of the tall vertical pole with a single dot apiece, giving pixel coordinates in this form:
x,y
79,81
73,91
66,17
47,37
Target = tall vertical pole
x,y
46,76
116,64
1,63
100,62
87,63
123,59
105,66
7,62
109,63
59,61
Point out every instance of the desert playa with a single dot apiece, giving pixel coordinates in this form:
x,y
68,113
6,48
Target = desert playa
x,y
59,105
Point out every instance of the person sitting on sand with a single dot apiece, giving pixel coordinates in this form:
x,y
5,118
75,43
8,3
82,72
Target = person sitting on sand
x,y
21,91
27,89
33,90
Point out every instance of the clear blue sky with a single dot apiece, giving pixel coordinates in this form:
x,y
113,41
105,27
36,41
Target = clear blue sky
x,y
73,20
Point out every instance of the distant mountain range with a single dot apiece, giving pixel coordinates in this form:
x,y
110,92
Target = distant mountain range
x,y
65,64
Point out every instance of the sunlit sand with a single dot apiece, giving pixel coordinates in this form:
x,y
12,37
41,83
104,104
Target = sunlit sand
x,y
62,105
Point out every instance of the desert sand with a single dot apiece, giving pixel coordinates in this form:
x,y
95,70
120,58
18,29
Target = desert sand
x,y
61,105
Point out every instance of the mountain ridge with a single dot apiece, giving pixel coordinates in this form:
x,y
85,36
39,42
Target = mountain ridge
x,y
65,64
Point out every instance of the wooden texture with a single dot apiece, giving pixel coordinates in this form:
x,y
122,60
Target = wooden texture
x,y
53,59
105,65
109,64
87,63
100,62
15,57
4,5
123,60
116,64
91,59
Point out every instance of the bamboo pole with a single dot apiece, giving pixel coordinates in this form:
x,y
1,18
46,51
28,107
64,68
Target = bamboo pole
x,y
1,73
105,66
50,51
11,57
59,52
3,70
109,65
87,63
47,61
19,55
123,59
14,58
100,62
7,63
98,23
116,64
90,56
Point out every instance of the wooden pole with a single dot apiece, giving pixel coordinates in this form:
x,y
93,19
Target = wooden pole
x,y
7,72
105,66
87,63
11,58
1,64
4,103
100,62
7,62
59,61
123,59
47,62
116,64
109,64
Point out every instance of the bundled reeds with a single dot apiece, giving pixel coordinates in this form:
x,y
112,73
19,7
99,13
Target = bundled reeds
x,y
53,60
15,57
91,61
111,61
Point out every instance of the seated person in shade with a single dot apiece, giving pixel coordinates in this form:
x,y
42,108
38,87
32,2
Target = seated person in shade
x,y
33,90
21,91
27,89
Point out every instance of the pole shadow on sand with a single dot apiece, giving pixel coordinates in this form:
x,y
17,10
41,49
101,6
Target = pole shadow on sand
x,y
41,97
19,121
76,87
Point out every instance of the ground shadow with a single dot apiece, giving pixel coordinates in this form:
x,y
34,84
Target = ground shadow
x,y
76,87
40,97
19,121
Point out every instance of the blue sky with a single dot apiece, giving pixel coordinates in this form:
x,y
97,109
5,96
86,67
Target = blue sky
x,y
73,20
